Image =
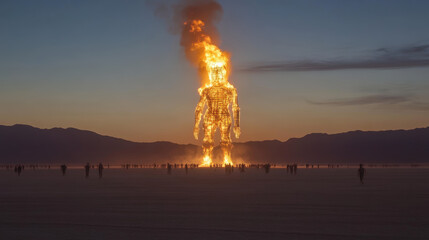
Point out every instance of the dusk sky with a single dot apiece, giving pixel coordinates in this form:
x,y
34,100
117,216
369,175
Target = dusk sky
x,y
114,67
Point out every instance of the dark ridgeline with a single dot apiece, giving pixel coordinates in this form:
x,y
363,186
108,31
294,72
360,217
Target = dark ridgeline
x,y
394,146
25,144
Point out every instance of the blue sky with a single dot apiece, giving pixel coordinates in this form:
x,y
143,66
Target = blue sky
x,y
114,68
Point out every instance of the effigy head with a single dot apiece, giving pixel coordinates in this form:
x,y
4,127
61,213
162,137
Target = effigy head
x,y
217,74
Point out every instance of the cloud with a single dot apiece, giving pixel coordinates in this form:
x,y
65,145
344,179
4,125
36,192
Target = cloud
x,y
381,58
402,101
420,106
373,99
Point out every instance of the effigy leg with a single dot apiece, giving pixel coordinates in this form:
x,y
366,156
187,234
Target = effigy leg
x,y
208,144
226,143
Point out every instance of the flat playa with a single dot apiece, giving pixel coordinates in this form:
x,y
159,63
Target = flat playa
x,y
208,204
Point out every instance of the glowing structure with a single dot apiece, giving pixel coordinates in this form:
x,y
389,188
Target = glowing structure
x,y
218,94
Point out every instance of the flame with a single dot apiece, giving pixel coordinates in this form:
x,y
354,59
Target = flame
x,y
215,62
212,57
227,161
195,25
207,161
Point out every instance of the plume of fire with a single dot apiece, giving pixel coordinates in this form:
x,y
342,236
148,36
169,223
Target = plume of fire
x,y
208,54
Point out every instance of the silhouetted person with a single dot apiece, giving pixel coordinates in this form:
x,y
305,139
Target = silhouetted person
x,y
186,168
267,168
361,172
18,169
290,168
295,167
228,168
87,169
168,168
100,170
63,169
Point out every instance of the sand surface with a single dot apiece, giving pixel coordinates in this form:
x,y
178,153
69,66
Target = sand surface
x,y
208,204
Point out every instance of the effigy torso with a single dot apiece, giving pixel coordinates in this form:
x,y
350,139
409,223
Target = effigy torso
x,y
218,100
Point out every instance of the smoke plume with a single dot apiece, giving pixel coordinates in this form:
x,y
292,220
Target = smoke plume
x,y
179,14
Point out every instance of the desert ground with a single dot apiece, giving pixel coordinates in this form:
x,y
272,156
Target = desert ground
x,y
210,204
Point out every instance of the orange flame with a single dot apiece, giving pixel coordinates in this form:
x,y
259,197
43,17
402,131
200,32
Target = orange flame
x,y
212,57
196,25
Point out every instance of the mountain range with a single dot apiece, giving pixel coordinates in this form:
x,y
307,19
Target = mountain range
x,y
27,144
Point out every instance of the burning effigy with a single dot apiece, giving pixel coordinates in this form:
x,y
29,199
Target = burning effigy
x,y
198,34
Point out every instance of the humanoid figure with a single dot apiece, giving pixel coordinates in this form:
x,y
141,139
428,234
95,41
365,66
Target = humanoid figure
x,y
361,172
218,95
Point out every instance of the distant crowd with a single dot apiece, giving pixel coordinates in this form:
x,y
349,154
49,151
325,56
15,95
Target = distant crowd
x,y
229,168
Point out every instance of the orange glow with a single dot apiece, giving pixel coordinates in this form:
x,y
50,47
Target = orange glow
x,y
218,94
195,26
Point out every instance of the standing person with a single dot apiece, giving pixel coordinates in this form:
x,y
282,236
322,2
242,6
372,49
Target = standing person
x,y
63,169
242,166
100,170
87,169
186,168
18,169
168,168
361,172
267,167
